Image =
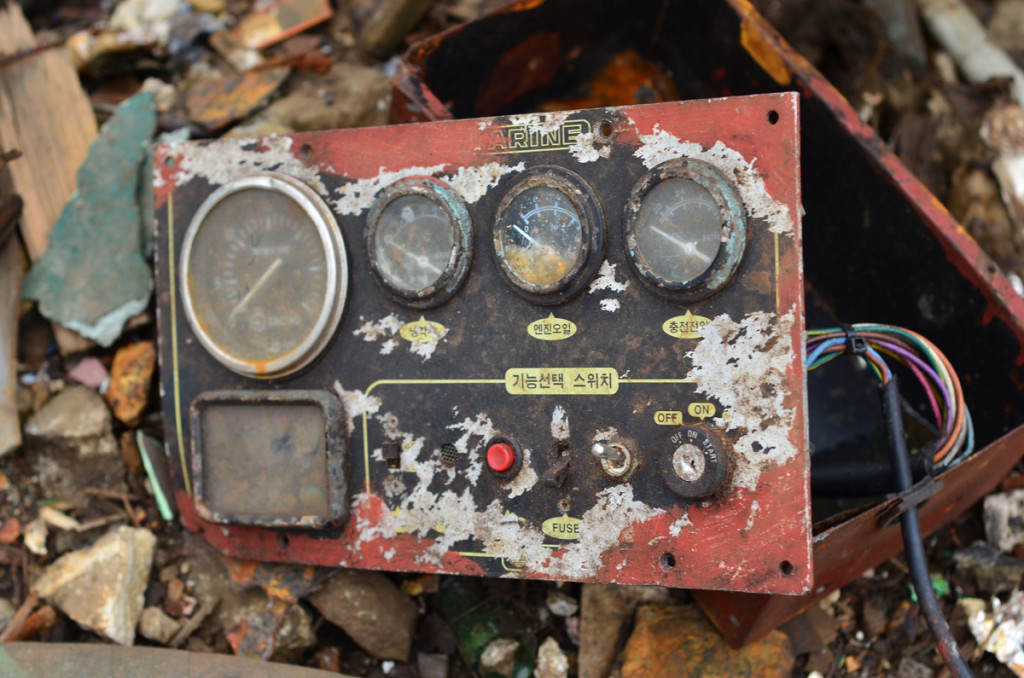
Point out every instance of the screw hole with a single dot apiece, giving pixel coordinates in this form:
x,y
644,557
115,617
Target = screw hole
x,y
563,505
282,541
306,153
668,561
605,129
169,162
787,568
773,117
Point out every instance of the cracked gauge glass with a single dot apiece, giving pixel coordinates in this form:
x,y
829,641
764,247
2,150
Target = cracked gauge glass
x,y
685,232
264,275
545,231
419,241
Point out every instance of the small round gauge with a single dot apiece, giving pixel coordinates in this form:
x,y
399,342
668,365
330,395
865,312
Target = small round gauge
x,y
547,231
685,229
419,241
264,275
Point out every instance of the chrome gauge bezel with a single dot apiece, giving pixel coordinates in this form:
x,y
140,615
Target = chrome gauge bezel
x,y
461,254
336,273
734,230
591,215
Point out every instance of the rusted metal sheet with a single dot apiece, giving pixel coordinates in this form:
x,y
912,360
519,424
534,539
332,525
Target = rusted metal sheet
x,y
472,403
217,101
877,247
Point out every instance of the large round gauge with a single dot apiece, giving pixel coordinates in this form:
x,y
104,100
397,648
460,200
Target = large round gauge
x,y
549,235
419,240
264,275
685,229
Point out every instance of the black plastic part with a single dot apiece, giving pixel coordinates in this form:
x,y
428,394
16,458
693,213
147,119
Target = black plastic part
x,y
855,343
715,464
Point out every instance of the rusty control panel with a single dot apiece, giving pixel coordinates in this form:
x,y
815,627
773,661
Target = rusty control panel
x,y
558,346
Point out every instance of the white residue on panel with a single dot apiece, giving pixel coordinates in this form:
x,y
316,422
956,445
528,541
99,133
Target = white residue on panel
x,y
370,330
610,305
472,183
228,159
676,527
541,123
356,404
479,428
358,195
559,424
605,280
584,149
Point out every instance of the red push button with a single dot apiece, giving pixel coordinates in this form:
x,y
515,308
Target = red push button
x,y
501,457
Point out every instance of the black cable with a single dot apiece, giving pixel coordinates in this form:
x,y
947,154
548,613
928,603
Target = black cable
x,y
913,543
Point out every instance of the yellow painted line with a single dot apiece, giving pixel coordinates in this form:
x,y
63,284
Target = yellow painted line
x,y
172,286
656,381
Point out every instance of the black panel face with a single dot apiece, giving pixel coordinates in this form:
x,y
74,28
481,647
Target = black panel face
x,y
552,408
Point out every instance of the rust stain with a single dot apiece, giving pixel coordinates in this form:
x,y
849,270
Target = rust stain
x,y
626,79
764,52
216,102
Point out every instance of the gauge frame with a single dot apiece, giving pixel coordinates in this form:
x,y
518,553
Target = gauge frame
x,y
461,256
335,258
592,225
734,229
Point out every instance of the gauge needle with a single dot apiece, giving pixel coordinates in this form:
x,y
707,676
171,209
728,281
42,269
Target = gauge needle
x,y
420,258
256,288
687,247
524,234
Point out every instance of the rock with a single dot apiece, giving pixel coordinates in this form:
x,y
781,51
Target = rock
x,y
274,21
606,608
1000,631
130,378
371,610
102,587
7,611
73,413
157,626
93,277
499,657
1003,516
145,18
551,661
89,372
1006,25
251,611
389,22
35,537
432,665
911,668
347,96
991,570
874,616
680,641
561,605
10,531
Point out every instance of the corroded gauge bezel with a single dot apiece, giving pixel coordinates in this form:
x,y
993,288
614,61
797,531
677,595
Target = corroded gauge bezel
x,y
583,199
334,259
734,230
460,256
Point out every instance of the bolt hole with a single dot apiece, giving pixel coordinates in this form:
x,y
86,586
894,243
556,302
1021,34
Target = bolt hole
x,y
282,541
787,568
306,153
605,129
668,561
773,117
169,162
563,505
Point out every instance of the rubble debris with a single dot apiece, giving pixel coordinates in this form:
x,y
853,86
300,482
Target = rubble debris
x,y
215,101
145,20
45,107
371,610
10,531
7,611
1003,514
991,570
605,611
812,633
432,665
102,587
500,657
154,461
902,27
680,641
258,626
239,56
91,373
561,604
35,537
12,268
349,95
957,29
93,277
157,626
275,21
1000,629
626,79
131,375
389,22
551,661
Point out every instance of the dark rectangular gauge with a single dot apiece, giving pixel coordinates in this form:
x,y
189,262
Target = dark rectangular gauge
x,y
558,346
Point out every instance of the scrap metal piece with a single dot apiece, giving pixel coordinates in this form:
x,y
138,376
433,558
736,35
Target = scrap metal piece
x,y
218,101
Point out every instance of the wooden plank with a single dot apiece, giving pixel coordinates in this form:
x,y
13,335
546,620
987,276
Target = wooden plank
x,y
12,269
44,113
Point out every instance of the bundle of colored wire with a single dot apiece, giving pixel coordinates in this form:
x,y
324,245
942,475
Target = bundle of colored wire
x,y
928,365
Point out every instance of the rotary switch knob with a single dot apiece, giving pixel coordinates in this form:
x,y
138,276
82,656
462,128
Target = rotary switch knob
x,y
695,466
